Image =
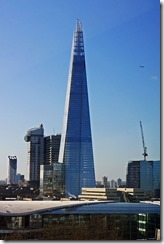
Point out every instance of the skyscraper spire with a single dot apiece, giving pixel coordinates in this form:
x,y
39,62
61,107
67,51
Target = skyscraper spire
x,y
78,26
76,143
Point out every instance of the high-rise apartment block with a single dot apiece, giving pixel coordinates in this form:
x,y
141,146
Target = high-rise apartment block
x,y
35,157
43,168
76,150
145,175
12,170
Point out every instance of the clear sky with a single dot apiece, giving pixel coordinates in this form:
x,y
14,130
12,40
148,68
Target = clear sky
x,y
35,48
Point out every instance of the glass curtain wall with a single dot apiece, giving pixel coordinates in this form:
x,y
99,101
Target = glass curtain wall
x,y
76,144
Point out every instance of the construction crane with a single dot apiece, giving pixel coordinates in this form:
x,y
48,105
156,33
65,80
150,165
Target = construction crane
x,y
143,142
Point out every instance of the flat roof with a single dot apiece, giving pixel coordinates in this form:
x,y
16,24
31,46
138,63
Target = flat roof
x,y
20,208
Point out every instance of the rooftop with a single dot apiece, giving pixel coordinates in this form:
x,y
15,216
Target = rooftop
x,y
20,208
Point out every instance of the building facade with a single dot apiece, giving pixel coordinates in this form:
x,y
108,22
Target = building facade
x,y
145,175
133,174
99,194
156,177
119,182
51,148
51,172
35,157
19,179
76,150
78,220
12,170
112,184
52,180
46,180
105,181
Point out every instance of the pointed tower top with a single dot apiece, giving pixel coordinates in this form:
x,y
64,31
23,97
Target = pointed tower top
x,y
78,25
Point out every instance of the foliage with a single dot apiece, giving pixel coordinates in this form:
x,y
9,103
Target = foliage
x,y
91,230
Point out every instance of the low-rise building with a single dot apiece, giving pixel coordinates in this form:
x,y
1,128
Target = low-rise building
x,y
78,220
133,194
99,194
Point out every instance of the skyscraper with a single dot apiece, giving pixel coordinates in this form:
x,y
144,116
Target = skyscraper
x,y
51,148
133,174
51,172
12,170
76,150
35,146
105,181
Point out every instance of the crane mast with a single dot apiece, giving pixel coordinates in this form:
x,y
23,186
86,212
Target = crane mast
x,y
143,143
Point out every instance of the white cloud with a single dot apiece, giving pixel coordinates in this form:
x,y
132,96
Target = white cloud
x,y
154,77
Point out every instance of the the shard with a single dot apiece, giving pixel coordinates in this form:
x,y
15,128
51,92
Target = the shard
x,y
76,150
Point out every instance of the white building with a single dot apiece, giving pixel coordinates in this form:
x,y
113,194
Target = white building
x,y
35,157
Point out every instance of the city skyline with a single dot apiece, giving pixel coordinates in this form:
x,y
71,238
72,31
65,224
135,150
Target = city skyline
x,y
120,37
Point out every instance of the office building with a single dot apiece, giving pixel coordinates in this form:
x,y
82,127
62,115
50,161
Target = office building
x,y
46,180
51,148
52,180
156,177
58,180
12,170
51,172
119,182
145,175
133,174
99,194
20,179
132,194
76,150
112,184
35,157
79,220
105,181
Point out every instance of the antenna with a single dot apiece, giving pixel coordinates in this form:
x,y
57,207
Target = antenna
x,y
143,143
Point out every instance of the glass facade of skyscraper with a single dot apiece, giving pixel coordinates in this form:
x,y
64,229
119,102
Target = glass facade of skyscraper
x,y
76,143
156,175
133,174
12,170
146,173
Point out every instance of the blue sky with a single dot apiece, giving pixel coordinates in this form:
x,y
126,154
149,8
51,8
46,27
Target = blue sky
x,y
119,35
